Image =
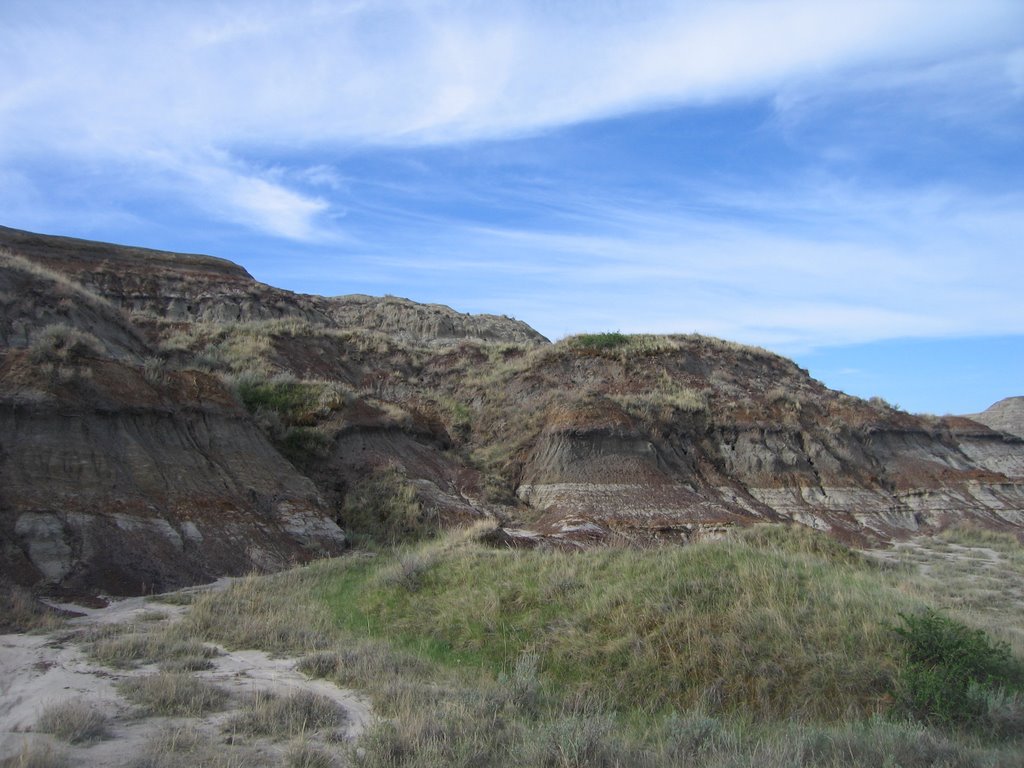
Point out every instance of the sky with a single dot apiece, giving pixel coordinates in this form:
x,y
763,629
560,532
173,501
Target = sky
x,y
841,182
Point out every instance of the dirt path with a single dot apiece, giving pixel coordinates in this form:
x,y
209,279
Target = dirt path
x,y
37,671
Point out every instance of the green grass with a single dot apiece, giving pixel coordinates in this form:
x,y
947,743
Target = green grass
x,y
775,648
600,341
957,676
742,625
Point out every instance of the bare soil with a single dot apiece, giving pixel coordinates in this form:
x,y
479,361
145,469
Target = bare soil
x,y
40,670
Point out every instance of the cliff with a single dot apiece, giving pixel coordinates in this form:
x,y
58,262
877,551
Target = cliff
x,y
167,419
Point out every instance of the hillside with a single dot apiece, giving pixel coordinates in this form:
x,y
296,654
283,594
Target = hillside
x,y
1005,416
168,419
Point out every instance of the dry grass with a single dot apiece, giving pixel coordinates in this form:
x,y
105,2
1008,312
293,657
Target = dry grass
x,y
285,717
37,756
976,576
76,721
66,285
170,693
59,343
129,647
304,755
322,664
278,613
186,746
20,611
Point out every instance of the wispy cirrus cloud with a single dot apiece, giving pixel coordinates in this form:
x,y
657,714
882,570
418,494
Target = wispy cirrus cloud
x,y
237,84
811,265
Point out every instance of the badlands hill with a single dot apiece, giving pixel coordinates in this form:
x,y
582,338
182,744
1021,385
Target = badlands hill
x,y
1006,416
165,419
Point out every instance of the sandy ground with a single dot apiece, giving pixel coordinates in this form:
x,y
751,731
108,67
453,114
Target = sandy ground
x,y
40,670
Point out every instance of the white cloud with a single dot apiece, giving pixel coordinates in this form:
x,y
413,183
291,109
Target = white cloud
x,y
112,81
850,265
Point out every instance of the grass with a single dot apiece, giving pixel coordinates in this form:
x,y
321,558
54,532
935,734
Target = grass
x,y
172,693
285,717
76,721
60,343
302,755
599,341
130,648
322,664
773,648
186,746
37,756
736,626
20,611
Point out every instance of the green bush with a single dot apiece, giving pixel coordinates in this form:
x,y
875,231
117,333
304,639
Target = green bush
x,y
384,509
954,673
292,400
599,341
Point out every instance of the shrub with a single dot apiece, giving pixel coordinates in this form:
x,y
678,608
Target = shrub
x,y
955,675
60,343
384,508
600,341
292,399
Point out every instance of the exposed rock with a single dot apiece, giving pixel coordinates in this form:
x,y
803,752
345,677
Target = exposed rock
x,y
1006,416
165,419
193,288
111,482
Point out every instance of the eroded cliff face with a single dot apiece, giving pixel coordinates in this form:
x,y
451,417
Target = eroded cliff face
x,y
165,419
751,437
114,482
187,288
124,477
1005,416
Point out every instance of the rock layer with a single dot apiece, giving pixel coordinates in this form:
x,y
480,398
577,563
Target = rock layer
x,y
165,419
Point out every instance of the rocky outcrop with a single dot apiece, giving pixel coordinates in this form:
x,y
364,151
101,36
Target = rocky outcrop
x,y
1005,416
192,288
755,439
117,474
165,419
114,482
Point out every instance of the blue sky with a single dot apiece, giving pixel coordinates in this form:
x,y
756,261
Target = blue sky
x,y
840,182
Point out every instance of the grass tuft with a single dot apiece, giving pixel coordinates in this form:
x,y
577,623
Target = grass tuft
x,y
76,721
37,756
285,717
322,664
304,755
171,693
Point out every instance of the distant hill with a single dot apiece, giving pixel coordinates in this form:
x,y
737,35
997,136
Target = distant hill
x,y
165,419
1007,416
